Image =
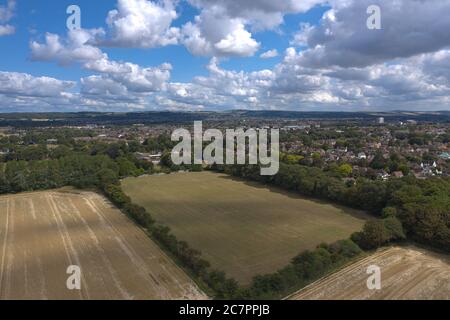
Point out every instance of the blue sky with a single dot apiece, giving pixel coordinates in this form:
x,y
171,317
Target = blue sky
x,y
217,55
33,21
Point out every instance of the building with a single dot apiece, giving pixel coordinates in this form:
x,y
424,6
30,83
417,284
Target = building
x,y
383,175
430,169
380,120
52,141
153,158
397,174
445,156
294,128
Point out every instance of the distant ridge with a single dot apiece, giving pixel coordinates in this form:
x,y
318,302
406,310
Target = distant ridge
x,y
154,117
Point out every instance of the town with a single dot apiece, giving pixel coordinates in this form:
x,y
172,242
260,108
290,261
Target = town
x,y
375,149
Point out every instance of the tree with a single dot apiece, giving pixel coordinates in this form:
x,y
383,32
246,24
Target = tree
x,y
344,248
345,170
378,161
311,263
389,212
394,228
60,151
107,177
373,235
127,168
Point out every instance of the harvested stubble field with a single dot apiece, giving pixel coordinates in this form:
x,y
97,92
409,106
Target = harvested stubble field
x,y
43,233
406,274
244,229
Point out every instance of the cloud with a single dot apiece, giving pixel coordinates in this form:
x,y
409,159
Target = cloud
x,y
134,24
23,84
76,48
177,105
224,28
141,24
337,64
269,54
262,14
301,36
132,76
437,65
408,83
21,92
6,14
409,28
221,28
101,90
7,30
100,86
148,24
24,92
232,83
214,34
220,90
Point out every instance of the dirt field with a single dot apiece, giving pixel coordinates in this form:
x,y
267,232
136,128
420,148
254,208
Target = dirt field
x,y
43,233
406,274
243,229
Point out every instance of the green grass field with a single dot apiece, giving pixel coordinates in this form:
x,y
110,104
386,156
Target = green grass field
x,y
242,228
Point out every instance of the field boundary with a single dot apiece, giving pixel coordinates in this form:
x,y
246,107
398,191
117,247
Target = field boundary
x,y
363,256
5,239
205,289
96,230
407,272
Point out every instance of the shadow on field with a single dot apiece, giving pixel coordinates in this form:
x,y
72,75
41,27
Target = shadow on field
x,y
293,195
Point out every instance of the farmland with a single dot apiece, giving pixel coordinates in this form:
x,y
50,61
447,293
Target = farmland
x,y
242,228
43,233
406,273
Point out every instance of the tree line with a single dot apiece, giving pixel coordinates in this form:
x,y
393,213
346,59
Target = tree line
x,y
215,280
304,269
408,208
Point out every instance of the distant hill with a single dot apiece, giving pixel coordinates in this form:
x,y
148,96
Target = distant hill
x,y
99,118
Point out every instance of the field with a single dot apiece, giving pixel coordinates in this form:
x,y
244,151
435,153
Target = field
x,y
43,233
242,228
406,274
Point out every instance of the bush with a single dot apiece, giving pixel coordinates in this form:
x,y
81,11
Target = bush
x,y
394,228
389,212
344,248
373,236
304,268
377,233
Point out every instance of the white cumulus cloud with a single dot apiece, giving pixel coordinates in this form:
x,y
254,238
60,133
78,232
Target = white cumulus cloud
x,y
23,84
141,24
6,14
269,54
215,34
